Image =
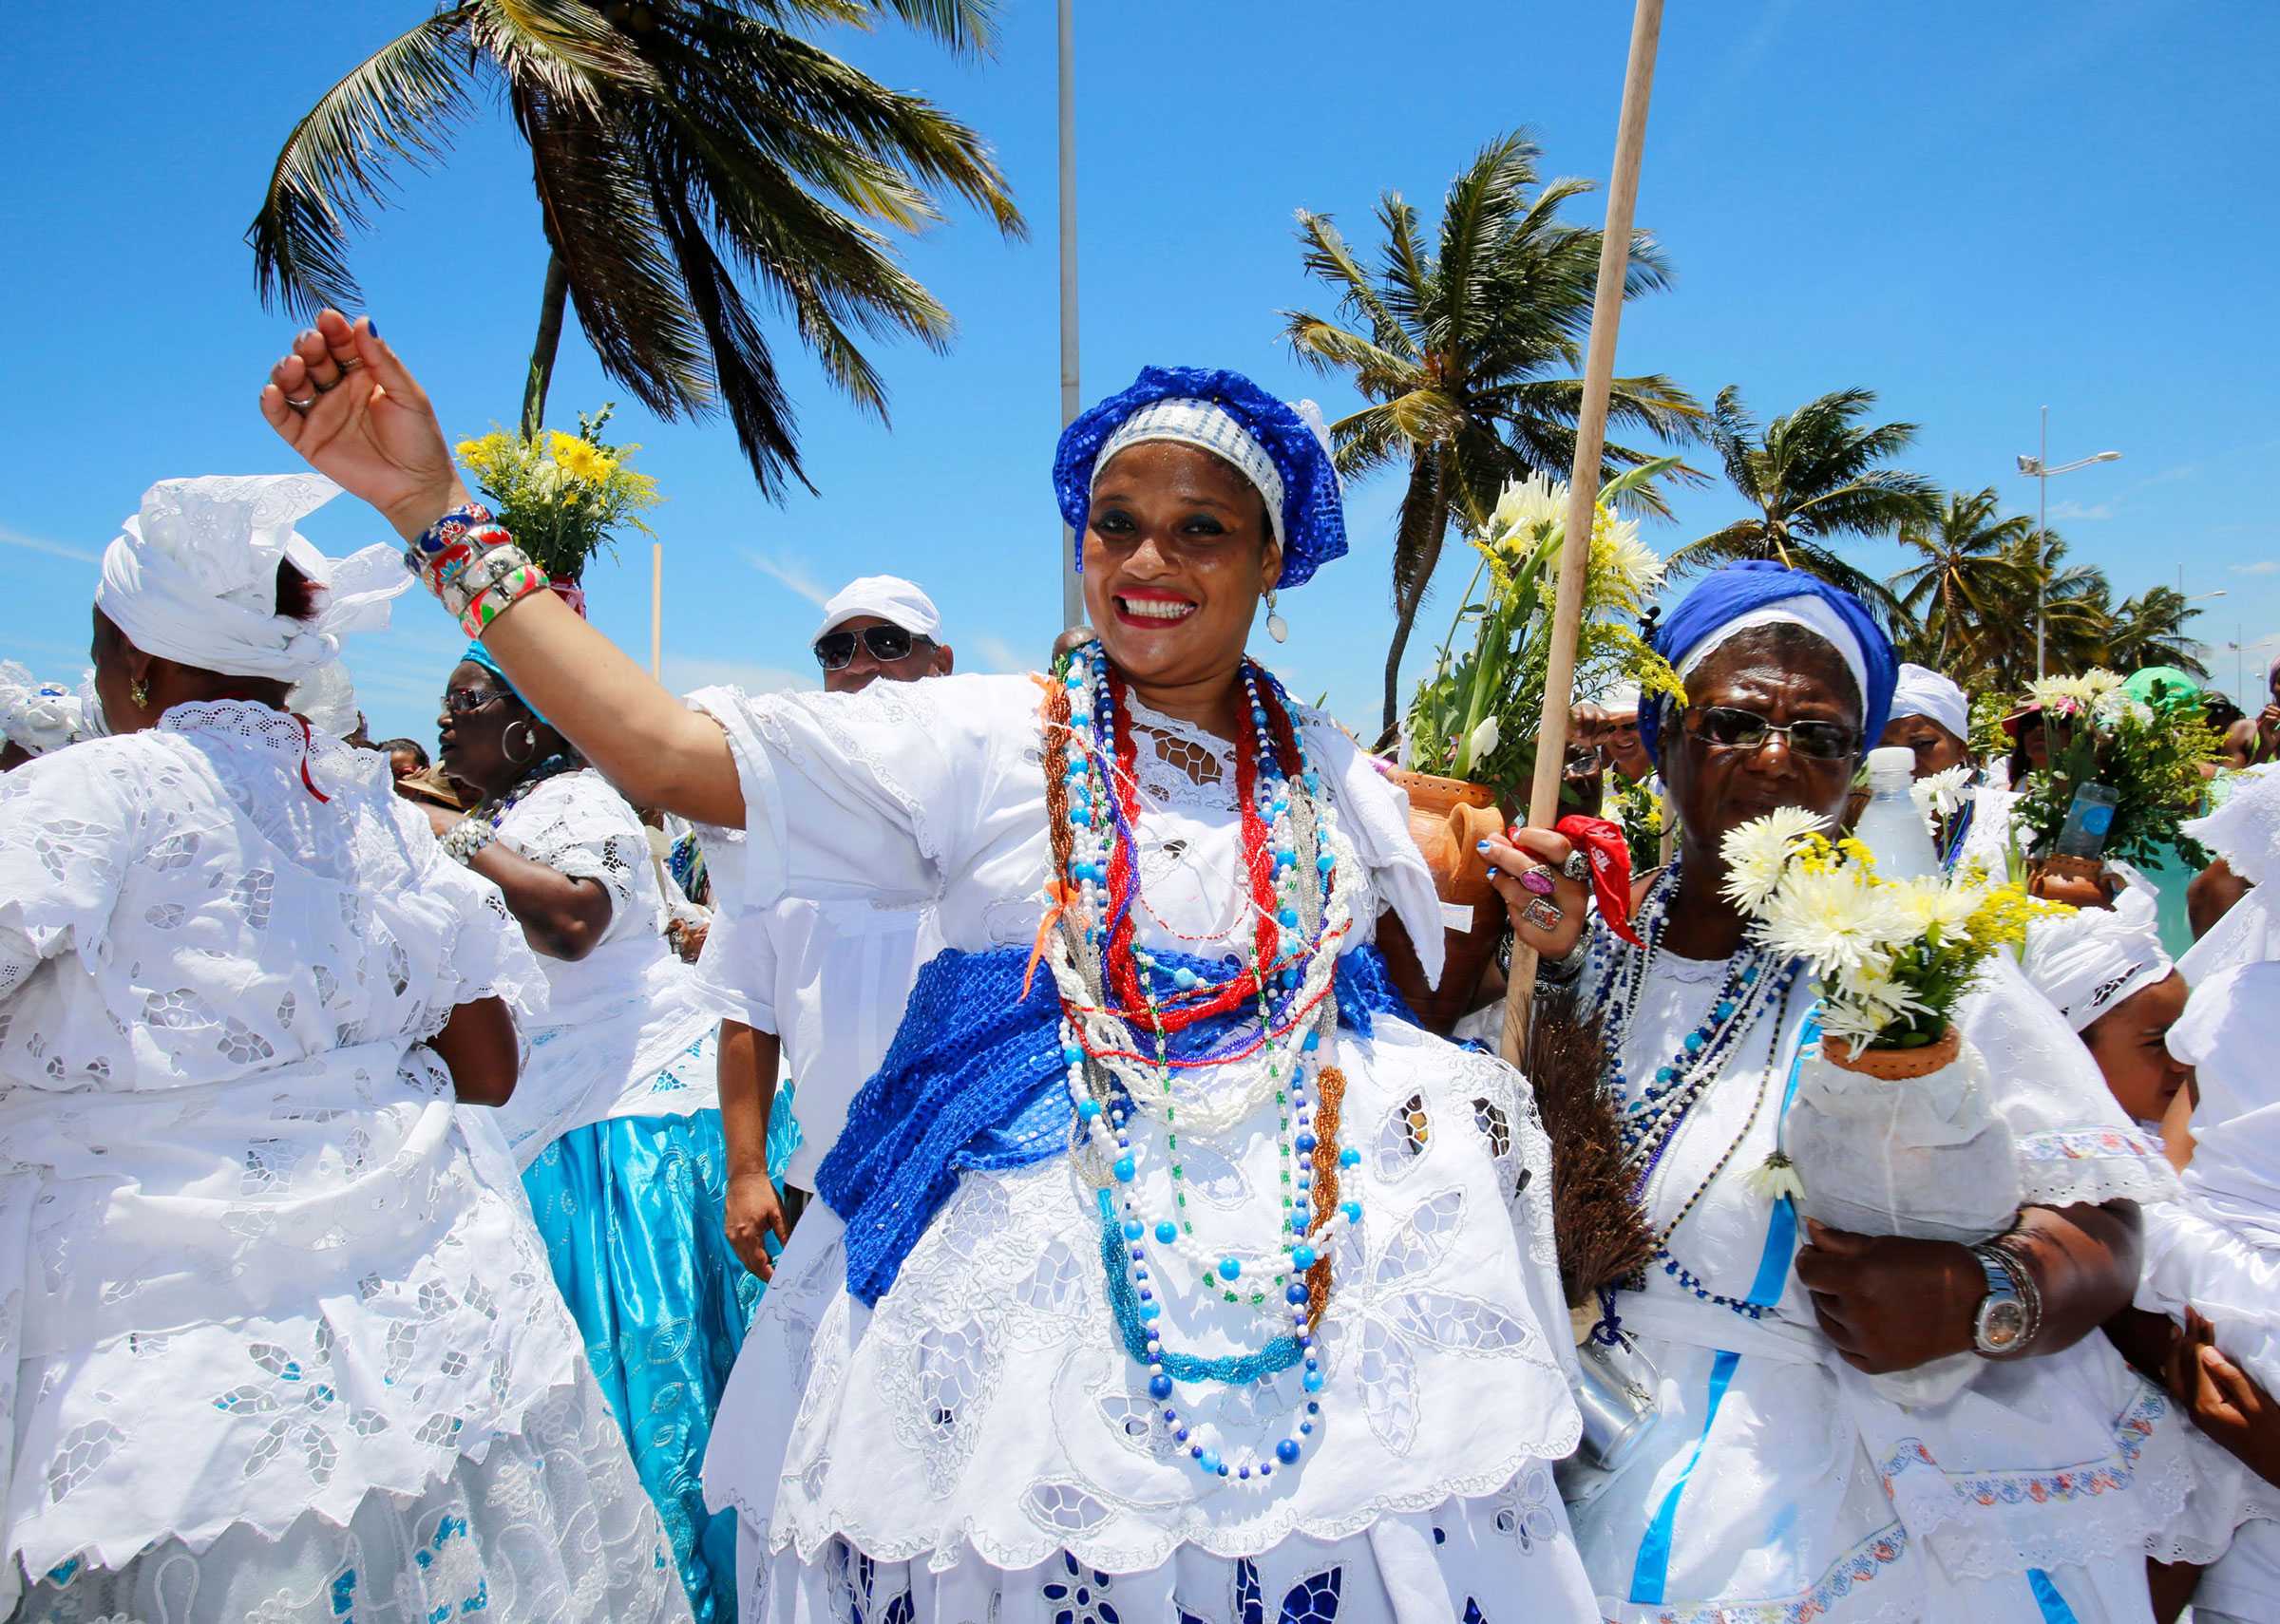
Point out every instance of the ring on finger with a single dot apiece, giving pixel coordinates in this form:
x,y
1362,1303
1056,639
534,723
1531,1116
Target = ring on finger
x,y
302,405
1577,867
1536,882
1542,916
323,388
349,363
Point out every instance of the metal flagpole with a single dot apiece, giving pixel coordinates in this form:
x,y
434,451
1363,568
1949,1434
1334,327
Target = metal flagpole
x,y
1073,596
1582,480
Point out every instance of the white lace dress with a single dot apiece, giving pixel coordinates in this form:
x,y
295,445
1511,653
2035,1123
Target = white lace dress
x,y
1777,1482
626,1034
980,1446
276,1338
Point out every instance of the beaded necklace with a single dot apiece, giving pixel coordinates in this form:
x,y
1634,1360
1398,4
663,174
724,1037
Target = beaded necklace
x,y
1650,1125
494,811
1121,1007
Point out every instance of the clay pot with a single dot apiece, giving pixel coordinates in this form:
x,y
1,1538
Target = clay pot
x,y
1894,1064
1449,817
2080,882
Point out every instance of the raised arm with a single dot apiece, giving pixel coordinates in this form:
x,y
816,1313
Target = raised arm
x,y
353,411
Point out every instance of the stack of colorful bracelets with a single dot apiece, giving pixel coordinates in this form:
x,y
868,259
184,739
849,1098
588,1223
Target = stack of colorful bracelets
x,y
473,565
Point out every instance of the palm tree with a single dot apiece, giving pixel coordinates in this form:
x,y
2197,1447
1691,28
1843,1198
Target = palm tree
x,y
2149,630
1962,587
1468,352
1814,476
682,150
2077,602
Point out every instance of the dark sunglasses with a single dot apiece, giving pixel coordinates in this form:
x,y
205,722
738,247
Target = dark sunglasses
x,y
835,651
1730,728
459,701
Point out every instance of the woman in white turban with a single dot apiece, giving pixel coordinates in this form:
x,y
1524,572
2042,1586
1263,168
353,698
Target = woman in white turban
x,y
1932,720
36,717
277,1336
2106,971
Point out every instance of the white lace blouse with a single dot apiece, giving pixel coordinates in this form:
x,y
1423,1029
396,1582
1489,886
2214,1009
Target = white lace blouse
x,y
618,1019
250,1264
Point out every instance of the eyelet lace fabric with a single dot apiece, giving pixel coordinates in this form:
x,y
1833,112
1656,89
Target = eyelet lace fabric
x,y
984,1418
618,1019
251,1267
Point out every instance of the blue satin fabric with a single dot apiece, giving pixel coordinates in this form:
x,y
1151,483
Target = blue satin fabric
x,y
975,1078
632,1212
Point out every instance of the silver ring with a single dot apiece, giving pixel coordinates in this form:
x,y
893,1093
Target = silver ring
x,y
1577,867
350,364
300,406
1542,916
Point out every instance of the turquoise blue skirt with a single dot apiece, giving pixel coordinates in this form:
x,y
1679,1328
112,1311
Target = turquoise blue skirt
x,y
632,1211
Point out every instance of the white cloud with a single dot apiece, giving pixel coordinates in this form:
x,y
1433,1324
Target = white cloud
x,y
791,574
2082,510
995,653
683,672
2261,567
53,549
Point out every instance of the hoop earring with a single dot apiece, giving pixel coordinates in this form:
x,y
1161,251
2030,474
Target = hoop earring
x,y
522,760
138,693
1277,628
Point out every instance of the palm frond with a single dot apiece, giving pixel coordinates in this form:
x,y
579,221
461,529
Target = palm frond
x,y
396,104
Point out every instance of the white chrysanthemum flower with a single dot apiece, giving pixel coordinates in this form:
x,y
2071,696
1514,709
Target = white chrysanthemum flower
x,y
1623,567
1939,794
2098,682
1527,511
1757,852
1836,922
1774,1178
1935,903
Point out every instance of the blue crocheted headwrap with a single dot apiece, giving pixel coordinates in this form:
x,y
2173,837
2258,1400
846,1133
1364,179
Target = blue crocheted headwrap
x,y
1727,594
478,654
1314,520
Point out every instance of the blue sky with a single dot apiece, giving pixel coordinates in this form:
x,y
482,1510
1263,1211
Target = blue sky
x,y
1974,209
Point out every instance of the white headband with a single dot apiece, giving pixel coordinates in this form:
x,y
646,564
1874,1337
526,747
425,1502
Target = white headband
x,y
1811,614
194,576
2090,961
1210,427
1922,691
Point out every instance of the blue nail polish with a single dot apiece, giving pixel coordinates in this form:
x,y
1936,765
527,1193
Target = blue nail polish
x,y
1480,845
372,327
1493,871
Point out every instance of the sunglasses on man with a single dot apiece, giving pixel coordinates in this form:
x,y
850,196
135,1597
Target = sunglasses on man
x,y
835,651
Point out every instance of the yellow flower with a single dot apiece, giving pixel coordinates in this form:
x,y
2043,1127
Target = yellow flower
x,y
486,455
581,460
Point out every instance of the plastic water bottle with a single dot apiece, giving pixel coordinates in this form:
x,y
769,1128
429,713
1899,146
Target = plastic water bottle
x,y
1891,826
2089,818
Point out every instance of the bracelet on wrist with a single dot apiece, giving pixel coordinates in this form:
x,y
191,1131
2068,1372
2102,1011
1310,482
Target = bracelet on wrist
x,y
466,839
2014,1251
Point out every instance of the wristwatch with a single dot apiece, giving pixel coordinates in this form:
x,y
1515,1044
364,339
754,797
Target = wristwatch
x,y
2001,1326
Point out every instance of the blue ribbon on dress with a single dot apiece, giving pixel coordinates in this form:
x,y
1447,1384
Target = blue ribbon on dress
x,y
1650,1572
975,1080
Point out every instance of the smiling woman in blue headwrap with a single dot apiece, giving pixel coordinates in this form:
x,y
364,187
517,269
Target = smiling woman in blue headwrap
x,y
616,1125
1777,1481
1181,1274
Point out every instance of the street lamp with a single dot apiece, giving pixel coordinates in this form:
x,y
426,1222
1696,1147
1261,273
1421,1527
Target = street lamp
x,y
2039,469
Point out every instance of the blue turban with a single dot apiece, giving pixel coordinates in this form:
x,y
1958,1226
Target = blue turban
x,y
478,654
1281,448
1739,590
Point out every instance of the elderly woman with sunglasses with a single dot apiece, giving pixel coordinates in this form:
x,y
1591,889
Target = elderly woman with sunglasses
x,y
1774,1481
617,1124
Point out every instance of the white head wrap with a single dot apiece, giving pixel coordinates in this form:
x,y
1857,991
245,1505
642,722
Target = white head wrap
x,y
1810,613
38,716
1923,691
2245,831
2229,1034
1212,428
327,697
2088,962
193,578
890,598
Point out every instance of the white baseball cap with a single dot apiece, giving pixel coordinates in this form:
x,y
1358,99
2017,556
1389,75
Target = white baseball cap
x,y
890,598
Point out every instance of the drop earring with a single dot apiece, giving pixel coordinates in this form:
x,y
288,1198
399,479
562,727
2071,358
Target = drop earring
x,y
138,693
1277,628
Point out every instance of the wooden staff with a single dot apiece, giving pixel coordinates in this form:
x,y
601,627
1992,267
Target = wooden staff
x,y
1582,480
656,609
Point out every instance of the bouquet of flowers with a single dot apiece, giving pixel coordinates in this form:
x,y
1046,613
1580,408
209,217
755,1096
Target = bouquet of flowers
x,y
2149,754
562,495
1475,715
1891,1130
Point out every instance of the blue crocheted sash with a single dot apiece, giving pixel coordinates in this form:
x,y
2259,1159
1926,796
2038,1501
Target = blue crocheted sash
x,y
975,1080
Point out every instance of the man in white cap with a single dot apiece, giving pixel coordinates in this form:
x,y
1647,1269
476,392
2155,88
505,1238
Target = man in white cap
x,y
817,989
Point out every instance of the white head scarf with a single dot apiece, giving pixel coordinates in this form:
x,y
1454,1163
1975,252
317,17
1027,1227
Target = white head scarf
x,y
1924,692
327,697
1813,613
194,576
2245,831
38,716
2088,962
1212,428
2229,1034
